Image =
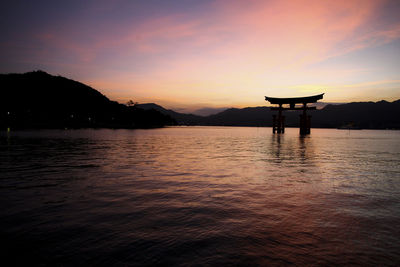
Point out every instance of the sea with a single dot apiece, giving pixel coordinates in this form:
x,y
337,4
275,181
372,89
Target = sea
x,y
200,196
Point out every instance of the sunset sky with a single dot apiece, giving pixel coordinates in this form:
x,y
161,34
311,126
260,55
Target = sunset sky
x,y
202,53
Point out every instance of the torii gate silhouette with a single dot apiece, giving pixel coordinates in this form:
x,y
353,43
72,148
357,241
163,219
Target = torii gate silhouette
x,y
278,124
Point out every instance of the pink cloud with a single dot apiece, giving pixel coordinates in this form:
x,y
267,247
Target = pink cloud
x,y
235,46
270,33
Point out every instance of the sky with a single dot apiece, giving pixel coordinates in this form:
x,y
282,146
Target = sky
x,y
190,54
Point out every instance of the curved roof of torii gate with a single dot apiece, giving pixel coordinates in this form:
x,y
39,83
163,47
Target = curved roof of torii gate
x,y
294,100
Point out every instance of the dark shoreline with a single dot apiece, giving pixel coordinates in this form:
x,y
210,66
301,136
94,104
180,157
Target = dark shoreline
x,y
181,126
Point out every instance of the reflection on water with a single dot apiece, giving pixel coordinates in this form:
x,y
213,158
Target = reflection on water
x,y
300,148
200,196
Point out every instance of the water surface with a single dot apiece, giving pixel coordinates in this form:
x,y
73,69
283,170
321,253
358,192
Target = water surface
x,y
200,196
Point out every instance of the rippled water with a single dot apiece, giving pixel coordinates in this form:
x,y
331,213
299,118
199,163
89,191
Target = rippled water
x,y
200,196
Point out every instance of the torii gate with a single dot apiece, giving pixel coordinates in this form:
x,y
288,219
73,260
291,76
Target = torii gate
x,y
278,124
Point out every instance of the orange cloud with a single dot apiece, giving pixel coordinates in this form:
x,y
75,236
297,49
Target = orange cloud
x,y
265,33
238,50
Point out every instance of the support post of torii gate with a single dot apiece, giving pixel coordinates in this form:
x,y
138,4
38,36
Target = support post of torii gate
x,y
278,122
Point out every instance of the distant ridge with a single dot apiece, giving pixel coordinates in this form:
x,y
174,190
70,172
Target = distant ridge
x,y
361,115
181,118
208,111
40,100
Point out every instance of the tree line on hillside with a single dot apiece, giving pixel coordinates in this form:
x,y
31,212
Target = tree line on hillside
x,y
358,115
40,100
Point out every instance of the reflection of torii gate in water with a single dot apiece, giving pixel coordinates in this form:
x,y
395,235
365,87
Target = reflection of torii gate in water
x,y
278,124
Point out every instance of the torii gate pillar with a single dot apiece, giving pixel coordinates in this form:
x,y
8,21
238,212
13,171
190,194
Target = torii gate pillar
x,y
305,121
278,123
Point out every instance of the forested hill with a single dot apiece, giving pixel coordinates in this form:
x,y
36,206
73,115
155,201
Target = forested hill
x,y
363,115
40,100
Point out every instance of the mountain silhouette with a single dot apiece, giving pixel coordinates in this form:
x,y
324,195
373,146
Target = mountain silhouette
x,y
208,111
360,115
181,118
363,115
40,100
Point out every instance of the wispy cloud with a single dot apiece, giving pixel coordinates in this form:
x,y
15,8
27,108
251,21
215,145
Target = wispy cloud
x,y
225,49
270,33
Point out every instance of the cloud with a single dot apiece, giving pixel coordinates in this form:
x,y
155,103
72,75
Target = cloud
x,y
234,48
258,34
